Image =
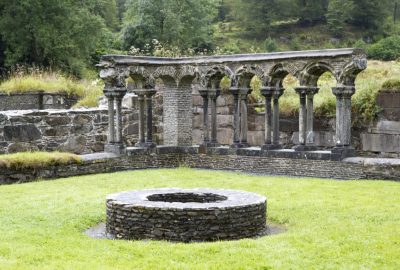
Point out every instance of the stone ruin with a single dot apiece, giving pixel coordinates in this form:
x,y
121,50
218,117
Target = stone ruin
x,y
181,77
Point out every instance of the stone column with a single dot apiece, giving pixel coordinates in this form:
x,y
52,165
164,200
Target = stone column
x,y
118,116
149,104
236,118
204,95
343,121
302,91
111,119
267,92
141,99
278,92
243,116
311,91
213,94
115,139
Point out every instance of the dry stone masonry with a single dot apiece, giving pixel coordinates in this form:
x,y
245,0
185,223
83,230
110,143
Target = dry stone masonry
x,y
182,77
185,215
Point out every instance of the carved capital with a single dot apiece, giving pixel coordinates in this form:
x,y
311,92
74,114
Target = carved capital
x,y
213,94
344,91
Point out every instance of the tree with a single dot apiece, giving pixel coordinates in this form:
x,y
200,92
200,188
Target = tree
x,y
369,14
339,13
185,24
256,15
49,33
311,11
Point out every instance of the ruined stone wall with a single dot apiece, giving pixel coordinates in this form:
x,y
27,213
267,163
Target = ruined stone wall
x,y
36,101
77,131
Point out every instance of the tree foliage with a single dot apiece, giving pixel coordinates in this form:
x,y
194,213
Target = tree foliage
x,y
49,32
178,23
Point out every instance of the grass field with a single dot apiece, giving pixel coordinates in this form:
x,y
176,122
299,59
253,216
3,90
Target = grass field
x,y
330,224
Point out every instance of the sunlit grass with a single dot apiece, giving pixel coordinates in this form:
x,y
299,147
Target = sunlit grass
x,y
33,160
48,81
330,224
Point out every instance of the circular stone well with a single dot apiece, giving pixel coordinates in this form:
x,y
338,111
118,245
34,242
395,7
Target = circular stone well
x,y
185,214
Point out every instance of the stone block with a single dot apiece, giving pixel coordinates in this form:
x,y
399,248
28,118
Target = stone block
x,y
225,136
57,120
224,121
197,136
387,127
255,138
57,131
197,101
75,144
22,147
225,100
198,121
386,143
132,129
22,133
321,138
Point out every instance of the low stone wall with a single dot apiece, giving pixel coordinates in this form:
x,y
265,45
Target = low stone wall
x,y
165,157
36,101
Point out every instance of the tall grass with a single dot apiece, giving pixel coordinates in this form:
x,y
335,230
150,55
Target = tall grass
x,y
364,107
32,79
33,160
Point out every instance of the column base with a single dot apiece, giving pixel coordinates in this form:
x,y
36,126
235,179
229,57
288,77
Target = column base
x,y
115,148
236,146
212,144
342,152
145,145
304,148
268,147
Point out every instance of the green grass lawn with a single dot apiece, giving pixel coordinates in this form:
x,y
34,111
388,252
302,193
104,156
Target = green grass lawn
x,y
330,224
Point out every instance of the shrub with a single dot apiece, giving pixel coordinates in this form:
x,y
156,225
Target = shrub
x,y
270,45
386,49
392,85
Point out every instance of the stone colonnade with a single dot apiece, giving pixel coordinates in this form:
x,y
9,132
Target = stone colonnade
x,y
179,74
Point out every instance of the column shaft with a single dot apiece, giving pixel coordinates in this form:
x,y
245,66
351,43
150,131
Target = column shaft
x,y
118,115
149,103
141,121
244,121
310,115
111,119
346,133
214,127
268,120
302,119
276,121
236,120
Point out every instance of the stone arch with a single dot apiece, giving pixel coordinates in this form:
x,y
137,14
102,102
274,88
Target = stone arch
x,y
216,73
311,73
276,75
140,78
186,73
245,74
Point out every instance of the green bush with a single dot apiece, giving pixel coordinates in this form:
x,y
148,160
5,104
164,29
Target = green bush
x,y
386,49
270,45
392,85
